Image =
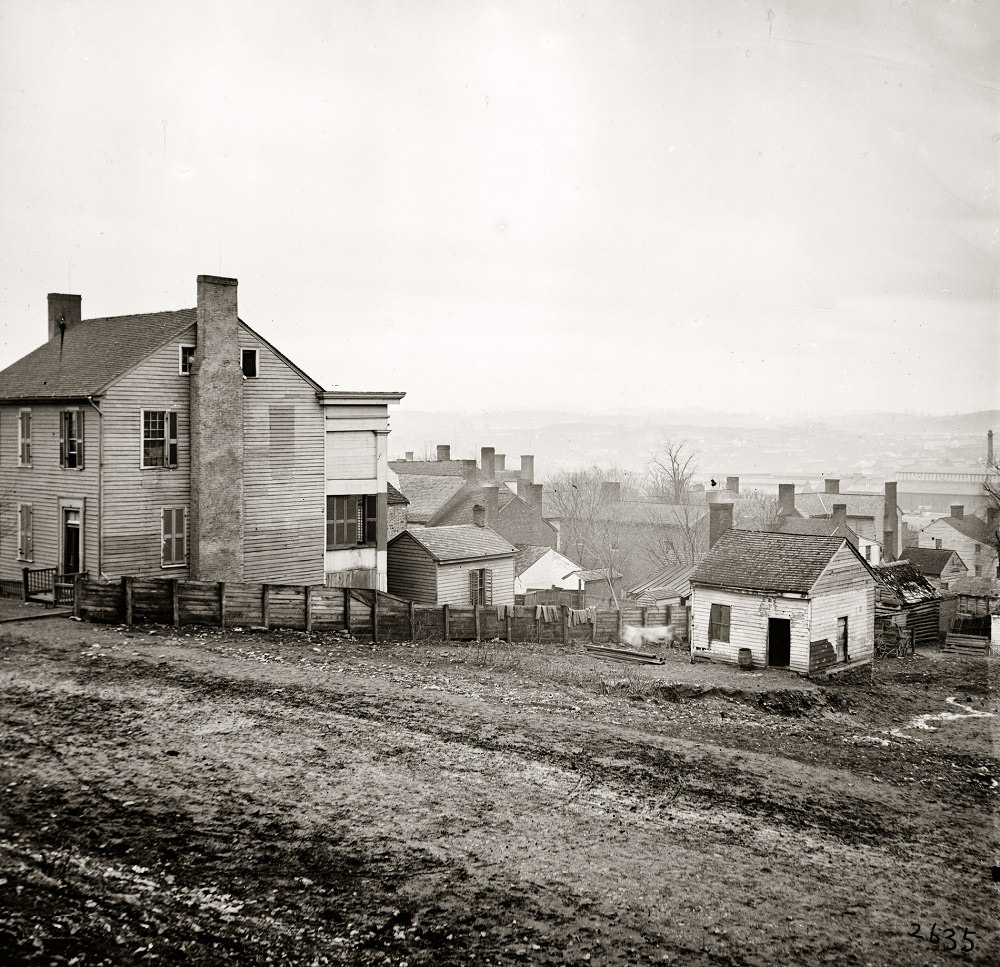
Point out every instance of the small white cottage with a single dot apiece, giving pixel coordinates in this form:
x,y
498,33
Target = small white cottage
x,y
796,601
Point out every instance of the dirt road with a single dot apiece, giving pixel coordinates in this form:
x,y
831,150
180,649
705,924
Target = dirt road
x,y
211,798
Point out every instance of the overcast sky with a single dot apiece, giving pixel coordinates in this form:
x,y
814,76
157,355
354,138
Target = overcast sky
x,y
784,207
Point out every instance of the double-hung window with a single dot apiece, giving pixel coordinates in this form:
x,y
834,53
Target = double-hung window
x,y
185,354
159,438
24,438
481,586
71,439
351,521
718,623
173,536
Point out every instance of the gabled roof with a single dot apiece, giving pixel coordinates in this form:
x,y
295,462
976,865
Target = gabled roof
x,y
596,574
672,581
970,526
767,562
427,493
460,542
817,526
904,583
90,355
931,560
395,498
858,505
528,554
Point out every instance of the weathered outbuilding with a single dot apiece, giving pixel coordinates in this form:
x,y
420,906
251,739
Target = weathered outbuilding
x,y
793,601
908,600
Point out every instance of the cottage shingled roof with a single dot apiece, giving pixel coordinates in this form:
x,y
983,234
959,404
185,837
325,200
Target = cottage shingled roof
x,y
905,583
766,561
395,498
931,560
528,554
90,355
672,581
427,493
971,526
459,542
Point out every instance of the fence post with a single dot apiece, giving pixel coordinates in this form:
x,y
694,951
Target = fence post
x,y
475,614
175,603
307,604
265,605
375,617
77,593
413,623
444,608
565,624
347,610
222,604
127,600
593,629
506,621
24,582
644,616
621,623
538,623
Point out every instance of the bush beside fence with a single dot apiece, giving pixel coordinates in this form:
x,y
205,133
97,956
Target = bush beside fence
x,y
361,612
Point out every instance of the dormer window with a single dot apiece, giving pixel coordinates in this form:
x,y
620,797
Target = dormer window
x,y
185,354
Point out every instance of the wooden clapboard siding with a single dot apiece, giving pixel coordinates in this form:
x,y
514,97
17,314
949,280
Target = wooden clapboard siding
x,y
284,509
42,484
133,496
748,618
845,589
351,454
412,572
453,580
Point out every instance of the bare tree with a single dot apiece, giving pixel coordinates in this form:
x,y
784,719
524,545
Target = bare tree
x,y
991,488
756,511
671,472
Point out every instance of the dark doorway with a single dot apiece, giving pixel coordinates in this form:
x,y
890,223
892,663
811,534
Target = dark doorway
x,y
71,540
779,642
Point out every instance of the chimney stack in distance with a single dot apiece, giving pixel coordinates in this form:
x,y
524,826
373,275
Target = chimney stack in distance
x,y
479,515
832,485
444,451
64,312
720,520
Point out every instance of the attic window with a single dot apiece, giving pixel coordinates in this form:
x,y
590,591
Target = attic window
x,y
184,356
248,360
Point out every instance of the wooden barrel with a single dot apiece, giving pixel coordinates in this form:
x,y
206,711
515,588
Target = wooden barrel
x,y
745,658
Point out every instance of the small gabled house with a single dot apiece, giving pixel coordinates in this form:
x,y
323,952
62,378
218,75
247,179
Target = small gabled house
x,y
794,600
463,564
540,568
940,566
670,586
967,534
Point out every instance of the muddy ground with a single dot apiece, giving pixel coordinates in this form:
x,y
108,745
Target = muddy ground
x,y
242,798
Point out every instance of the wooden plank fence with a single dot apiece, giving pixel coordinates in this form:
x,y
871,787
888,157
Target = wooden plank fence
x,y
362,612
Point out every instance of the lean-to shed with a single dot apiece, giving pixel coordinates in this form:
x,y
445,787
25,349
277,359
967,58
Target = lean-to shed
x,y
908,599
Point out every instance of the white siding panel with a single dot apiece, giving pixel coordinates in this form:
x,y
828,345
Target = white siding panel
x,y
453,581
351,454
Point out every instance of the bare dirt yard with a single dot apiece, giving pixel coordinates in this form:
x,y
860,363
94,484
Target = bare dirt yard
x,y
207,797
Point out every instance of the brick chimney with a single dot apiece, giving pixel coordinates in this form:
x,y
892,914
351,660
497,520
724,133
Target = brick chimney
x,y
479,515
733,484
958,511
491,497
216,414
499,459
839,516
528,467
832,486
524,489
64,309
408,455
720,520
487,461
535,496
444,451
989,443
890,526
611,491
786,500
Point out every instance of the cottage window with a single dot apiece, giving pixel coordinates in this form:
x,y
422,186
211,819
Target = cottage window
x,y
937,543
24,438
185,355
481,586
173,537
351,521
71,439
159,438
25,541
718,623
249,360
868,552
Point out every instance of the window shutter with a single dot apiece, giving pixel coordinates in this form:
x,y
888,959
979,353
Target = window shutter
x,y
171,429
63,420
165,548
180,552
79,439
488,574
359,514
371,519
29,549
473,587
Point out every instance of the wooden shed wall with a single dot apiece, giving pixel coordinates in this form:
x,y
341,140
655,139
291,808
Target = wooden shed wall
x,y
412,572
845,589
453,580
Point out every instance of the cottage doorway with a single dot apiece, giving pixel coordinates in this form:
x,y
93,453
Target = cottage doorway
x,y
779,642
71,540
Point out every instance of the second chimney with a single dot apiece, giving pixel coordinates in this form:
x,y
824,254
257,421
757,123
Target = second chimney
x,y
720,520
487,461
64,312
832,485
499,459
733,484
786,500
408,455
444,451
958,511
528,467
479,515
839,516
